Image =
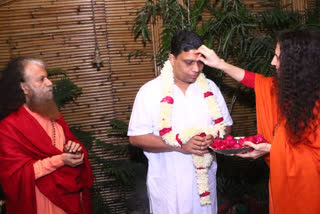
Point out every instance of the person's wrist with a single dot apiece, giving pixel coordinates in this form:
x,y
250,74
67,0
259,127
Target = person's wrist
x,y
59,160
268,147
63,157
222,65
176,149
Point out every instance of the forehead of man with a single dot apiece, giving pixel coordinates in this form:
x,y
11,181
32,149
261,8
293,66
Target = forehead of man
x,y
34,71
189,55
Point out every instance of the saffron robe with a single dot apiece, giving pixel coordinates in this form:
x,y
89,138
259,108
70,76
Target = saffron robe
x,y
22,142
48,165
294,168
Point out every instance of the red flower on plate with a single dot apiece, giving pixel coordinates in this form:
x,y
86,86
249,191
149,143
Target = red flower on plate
x,y
231,143
259,139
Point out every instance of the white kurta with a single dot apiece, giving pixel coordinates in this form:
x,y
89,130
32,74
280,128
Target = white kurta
x,y
171,180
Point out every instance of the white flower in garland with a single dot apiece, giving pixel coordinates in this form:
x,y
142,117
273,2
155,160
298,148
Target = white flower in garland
x,y
201,163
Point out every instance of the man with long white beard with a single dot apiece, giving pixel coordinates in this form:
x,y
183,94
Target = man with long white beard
x,y
44,168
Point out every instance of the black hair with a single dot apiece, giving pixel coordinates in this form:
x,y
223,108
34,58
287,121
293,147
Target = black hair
x,y
298,81
185,41
12,95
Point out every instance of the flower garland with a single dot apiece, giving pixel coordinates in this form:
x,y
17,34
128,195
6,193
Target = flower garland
x,y
201,163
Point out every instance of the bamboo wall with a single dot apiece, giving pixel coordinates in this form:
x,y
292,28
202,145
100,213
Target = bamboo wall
x,y
61,32
297,4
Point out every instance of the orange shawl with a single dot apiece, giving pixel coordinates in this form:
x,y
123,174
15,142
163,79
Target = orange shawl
x,y
294,169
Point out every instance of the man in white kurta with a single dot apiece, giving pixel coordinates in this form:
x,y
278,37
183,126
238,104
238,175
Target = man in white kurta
x,y
171,179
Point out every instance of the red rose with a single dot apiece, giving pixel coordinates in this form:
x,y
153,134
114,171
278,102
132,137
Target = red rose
x,y
259,138
237,146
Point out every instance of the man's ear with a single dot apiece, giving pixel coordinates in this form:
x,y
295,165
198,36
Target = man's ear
x,y
24,87
172,59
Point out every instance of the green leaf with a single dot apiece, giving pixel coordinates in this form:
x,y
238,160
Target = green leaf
x,y
84,137
65,91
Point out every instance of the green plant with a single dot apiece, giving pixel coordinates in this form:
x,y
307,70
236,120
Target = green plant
x,y
64,89
128,172
233,31
128,169
236,34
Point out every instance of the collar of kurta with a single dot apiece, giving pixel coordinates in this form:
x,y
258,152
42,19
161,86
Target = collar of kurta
x,y
22,142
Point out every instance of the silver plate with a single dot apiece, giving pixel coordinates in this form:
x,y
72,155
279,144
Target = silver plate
x,y
230,152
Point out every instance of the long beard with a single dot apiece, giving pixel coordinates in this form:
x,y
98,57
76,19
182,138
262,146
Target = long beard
x,y
46,107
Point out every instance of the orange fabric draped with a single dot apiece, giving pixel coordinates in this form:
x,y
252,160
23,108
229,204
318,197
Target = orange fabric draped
x,y
294,168
48,165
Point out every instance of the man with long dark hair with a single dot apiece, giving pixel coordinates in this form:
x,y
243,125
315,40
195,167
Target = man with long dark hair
x,y
44,168
288,118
